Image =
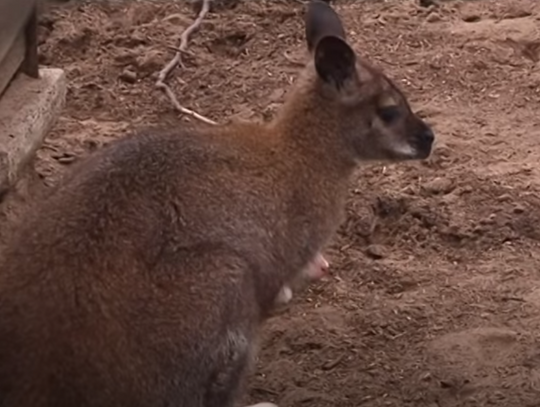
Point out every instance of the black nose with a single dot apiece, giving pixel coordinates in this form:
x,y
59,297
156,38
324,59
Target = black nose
x,y
424,140
427,136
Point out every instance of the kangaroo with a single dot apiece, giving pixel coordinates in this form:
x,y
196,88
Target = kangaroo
x,y
144,277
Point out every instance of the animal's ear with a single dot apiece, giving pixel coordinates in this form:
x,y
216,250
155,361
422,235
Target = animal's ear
x,y
335,61
321,21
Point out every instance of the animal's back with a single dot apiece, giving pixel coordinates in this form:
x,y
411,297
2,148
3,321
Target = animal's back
x,y
89,288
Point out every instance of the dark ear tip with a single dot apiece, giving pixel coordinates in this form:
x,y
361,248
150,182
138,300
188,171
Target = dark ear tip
x,y
321,20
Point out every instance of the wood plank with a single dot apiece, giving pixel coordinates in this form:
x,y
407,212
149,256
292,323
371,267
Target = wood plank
x,y
30,64
13,18
12,61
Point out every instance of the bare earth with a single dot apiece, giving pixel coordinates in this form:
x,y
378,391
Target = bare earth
x,y
434,298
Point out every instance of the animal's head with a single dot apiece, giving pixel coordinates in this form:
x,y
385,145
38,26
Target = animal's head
x,y
374,116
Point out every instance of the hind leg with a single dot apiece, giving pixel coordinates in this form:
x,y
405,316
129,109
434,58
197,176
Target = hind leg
x,y
232,361
227,396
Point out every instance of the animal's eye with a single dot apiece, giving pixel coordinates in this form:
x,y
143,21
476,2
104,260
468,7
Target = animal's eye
x,y
389,114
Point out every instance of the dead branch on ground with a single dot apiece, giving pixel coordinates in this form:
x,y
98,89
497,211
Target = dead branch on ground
x,y
176,60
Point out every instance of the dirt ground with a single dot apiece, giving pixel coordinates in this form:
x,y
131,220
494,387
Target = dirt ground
x,y
434,298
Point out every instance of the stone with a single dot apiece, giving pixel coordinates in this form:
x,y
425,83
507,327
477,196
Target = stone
x,y
28,110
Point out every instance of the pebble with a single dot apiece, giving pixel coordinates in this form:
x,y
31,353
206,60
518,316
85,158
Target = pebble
x,y
128,76
433,18
439,186
152,61
376,251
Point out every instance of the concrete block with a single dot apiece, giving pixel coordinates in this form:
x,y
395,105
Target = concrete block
x,y
28,110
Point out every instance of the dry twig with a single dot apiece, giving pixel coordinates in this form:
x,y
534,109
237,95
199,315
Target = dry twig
x,y
182,48
293,61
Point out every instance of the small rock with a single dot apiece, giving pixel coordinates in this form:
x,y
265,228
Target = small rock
x,y
376,251
276,95
433,18
151,61
426,377
451,198
439,186
128,76
490,220
519,209
124,57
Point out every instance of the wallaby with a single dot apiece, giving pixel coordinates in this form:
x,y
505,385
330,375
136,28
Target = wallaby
x,y
143,279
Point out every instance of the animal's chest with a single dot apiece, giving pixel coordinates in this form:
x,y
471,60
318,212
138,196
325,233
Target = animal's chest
x,y
316,231
313,222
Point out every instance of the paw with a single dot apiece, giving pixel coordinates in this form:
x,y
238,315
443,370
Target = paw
x,y
317,268
285,295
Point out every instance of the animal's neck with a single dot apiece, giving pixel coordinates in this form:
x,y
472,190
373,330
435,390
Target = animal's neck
x,y
310,125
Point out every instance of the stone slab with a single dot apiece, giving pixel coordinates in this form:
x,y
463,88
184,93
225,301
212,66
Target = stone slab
x,y
28,110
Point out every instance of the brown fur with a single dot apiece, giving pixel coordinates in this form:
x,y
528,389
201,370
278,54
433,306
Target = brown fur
x,y
143,279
